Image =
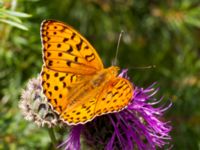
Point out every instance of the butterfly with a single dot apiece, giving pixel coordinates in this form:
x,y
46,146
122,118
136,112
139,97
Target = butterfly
x,y
74,80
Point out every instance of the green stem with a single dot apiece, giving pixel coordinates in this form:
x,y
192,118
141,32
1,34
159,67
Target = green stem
x,y
52,136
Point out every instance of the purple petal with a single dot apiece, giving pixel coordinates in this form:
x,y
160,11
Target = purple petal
x,y
123,73
73,140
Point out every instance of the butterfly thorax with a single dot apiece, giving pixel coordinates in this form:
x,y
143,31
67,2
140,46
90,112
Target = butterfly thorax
x,y
104,76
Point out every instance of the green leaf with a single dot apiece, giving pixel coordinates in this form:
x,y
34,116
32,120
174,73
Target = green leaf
x,y
193,21
9,17
16,14
15,24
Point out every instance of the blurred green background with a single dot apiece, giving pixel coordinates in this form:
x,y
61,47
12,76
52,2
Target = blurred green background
x,y
161,33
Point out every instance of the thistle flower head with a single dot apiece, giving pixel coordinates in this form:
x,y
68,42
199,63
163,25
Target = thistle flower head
x,y
34,106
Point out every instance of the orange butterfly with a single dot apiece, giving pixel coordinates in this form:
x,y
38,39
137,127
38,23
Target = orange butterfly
x,y
74,80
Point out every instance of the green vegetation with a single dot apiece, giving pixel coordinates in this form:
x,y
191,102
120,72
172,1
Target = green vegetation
x,y
161,33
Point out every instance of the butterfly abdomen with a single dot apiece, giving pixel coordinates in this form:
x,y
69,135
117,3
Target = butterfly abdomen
x,y
98,80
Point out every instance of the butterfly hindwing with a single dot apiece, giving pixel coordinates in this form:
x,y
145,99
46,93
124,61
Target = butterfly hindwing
x,y
56,87
115,96
82,113
82,105
112,97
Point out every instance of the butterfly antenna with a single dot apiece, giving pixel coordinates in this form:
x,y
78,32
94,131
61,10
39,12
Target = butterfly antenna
x,y
145,67
116,55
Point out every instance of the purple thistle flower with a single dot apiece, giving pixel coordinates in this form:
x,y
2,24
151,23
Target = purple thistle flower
x,y
137,126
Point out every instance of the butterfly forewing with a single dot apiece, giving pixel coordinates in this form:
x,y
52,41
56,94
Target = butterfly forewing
x,y
66,50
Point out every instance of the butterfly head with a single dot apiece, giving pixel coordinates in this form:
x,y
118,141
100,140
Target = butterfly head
x,y
113,70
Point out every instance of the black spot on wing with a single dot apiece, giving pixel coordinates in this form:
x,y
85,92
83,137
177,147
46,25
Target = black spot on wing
x,y
48,54
63,30
65,39
50,63
43,73
86,47
56,74
73,36
115,93
64,85
62,78
79,45
49,45
43,82
56,88
47,76
60,107
72,78
90,57
68,63
50,93
55,101
59,54
58,45
48,85
78,113
70,49
76,59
